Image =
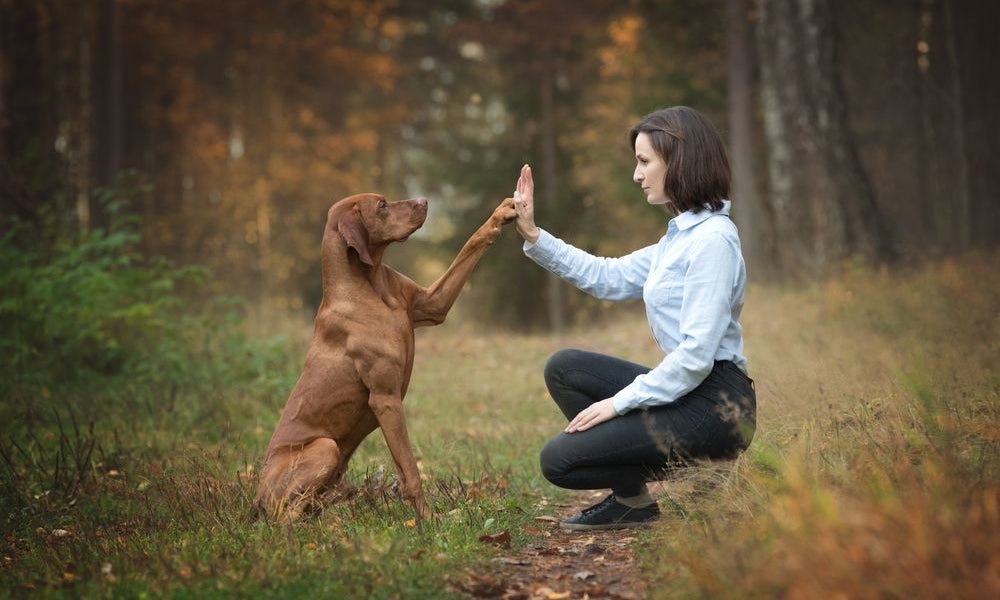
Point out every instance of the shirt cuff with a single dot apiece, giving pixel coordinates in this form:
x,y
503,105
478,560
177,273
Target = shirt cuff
x,y
544,239
624,401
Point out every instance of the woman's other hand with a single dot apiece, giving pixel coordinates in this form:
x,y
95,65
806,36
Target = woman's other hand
x,y
524,205
593,415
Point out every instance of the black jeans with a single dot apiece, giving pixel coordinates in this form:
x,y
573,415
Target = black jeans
x,y
717,419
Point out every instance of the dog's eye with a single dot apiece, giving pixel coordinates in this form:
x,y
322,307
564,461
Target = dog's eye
x,y
383,206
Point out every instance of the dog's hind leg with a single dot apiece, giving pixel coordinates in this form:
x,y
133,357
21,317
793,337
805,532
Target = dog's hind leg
x,y
294,479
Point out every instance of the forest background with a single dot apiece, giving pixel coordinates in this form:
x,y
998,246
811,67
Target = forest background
x,y
858,131
165,172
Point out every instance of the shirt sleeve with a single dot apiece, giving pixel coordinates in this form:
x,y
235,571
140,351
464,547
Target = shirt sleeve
x,y
605,278
706,311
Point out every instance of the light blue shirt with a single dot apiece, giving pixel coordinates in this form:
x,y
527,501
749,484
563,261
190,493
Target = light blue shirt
x,y
693,282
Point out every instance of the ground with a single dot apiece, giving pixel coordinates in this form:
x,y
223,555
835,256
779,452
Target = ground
x,y
560,564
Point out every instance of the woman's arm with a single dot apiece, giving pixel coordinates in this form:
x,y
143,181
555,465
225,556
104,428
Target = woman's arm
x,y
606,278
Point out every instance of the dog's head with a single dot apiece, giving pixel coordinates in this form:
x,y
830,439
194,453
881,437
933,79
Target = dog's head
x,y
368,221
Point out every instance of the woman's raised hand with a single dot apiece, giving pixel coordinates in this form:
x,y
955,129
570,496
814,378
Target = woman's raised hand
x,y
524,205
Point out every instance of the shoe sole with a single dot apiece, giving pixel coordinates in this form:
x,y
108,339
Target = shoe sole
x,y
606,526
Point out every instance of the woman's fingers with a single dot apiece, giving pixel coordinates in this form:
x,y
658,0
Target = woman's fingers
x,y
581,421
593,415
525,186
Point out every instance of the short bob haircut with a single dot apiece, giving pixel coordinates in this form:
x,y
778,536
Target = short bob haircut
x,y
697,164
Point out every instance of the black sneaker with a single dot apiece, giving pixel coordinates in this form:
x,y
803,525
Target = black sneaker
x,y
612,514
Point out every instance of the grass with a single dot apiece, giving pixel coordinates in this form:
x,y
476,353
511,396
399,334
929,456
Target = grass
x,y
874,472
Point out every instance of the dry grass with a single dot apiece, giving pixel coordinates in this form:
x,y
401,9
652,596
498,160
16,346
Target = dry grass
x,y
875,469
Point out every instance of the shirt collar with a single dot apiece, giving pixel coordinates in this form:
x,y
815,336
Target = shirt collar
x,y
689,219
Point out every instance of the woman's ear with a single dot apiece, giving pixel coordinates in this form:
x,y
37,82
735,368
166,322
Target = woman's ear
x,y
354,232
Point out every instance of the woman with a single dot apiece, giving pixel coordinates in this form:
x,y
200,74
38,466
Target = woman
x,y
628,423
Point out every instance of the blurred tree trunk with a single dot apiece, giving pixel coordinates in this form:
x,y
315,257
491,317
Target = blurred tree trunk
x,y
114,104
550,168
5,68
747,207
824,204
778,98
972,32
962,213
80,118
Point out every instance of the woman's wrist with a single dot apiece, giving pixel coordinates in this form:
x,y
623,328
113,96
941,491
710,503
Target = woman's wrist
x,y
531,236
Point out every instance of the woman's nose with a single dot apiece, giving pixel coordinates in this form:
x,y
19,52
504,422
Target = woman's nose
x,y
637,176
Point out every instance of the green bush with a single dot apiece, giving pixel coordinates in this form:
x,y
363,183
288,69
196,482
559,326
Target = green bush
x,y
81,308
83,312
104,346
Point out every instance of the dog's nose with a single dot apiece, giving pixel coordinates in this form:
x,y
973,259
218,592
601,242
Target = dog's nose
x,y
421,201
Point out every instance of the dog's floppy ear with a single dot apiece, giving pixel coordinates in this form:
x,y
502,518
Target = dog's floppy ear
x,y
354,232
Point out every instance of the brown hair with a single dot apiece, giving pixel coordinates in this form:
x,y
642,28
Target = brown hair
x,y
697,163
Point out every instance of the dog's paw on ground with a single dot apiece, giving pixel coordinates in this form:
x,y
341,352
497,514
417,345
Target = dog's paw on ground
x,y
561,564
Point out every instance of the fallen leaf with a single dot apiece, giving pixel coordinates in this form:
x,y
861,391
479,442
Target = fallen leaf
x,y
557,595
547,519
582,575
500,539
592,549
533,530
481,586
411,523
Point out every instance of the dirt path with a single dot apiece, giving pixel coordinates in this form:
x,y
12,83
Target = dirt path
x,y
561,564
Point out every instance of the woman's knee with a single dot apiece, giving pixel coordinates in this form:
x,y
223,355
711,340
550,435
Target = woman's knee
x,y
554,462
559,363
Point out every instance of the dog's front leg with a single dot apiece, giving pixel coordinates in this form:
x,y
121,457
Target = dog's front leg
x,y
431,305
388,409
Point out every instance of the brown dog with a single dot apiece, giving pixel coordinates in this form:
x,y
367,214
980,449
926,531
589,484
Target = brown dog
x,y
358,364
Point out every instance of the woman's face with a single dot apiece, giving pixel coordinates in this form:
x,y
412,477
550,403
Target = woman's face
x,y
650,170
